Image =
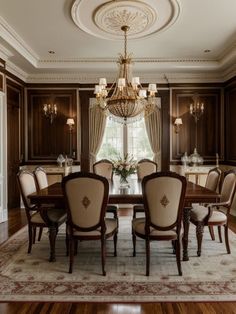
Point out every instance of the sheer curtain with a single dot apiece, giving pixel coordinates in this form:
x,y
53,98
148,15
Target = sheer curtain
x,y
153,127
97,124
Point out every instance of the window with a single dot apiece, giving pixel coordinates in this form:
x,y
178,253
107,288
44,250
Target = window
x,y
120,139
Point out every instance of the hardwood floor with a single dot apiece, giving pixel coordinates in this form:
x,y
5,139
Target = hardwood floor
x,y
17,220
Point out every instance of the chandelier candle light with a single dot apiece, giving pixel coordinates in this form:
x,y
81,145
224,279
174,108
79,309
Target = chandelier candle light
x,y
126,99
50,111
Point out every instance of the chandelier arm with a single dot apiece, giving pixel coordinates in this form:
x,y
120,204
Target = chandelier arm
x,y
124,99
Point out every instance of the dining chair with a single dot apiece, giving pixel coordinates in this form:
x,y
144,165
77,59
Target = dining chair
x,y
86,197
163,195
213,183
41,183
41,178
104,168
144,168
213,179
215,214
37,216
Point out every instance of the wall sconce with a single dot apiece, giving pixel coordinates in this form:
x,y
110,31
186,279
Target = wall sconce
x,y
70,122
178,122
50,111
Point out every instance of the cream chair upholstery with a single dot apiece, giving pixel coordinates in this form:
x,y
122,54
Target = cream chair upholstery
x,y
104,168
41,178
144,168
213,179
163,195
86,196
215,214
37,216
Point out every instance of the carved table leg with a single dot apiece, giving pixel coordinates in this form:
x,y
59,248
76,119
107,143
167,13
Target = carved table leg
x,y
186,219
52,240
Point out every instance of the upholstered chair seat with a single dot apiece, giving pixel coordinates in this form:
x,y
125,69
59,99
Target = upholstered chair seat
x,y
163,195
111,225
199,213
215,214
138,224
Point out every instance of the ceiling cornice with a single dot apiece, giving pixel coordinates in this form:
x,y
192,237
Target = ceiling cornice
x,y
13,39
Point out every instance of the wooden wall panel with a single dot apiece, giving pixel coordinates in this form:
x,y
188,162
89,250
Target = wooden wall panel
x,y
206,134
14,93
165,134
47,140
230,120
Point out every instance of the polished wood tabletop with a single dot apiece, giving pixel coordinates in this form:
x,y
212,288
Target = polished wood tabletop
x,y
130,195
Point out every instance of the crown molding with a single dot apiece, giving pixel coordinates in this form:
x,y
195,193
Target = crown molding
x,y
15,70
5,54
13,39
159,78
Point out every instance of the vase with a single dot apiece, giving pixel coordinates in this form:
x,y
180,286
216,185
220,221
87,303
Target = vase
x,y
123,181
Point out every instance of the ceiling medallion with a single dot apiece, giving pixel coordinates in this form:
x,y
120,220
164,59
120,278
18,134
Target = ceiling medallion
x,y
111,16
144,18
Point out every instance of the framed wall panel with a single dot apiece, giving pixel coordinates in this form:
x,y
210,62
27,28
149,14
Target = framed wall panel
x,y
206,135
47,140
230,123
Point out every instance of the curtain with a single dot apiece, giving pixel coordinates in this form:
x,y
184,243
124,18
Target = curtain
x,y
153,128
97,124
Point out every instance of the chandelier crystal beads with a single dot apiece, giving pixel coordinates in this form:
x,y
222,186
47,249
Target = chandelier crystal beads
x,y
126,99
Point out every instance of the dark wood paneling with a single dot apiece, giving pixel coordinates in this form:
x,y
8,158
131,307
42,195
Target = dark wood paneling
x,y
230,120
165,134
85,95
47,140
206,134
14,136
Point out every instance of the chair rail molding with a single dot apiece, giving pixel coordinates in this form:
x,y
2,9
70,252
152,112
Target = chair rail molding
x,y
3,158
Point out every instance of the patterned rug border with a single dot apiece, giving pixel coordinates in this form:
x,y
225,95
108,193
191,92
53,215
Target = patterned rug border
x,y
182,291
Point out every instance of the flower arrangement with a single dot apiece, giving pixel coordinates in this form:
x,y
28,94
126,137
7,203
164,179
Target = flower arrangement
x,y
124,167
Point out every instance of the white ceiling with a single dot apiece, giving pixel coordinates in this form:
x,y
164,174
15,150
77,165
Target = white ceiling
x,y
31,28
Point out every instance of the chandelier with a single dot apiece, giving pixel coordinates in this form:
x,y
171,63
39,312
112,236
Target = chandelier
x,y
126,100
50,111
196,109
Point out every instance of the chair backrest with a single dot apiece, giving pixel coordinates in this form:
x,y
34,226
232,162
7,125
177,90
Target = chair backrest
x,y
213,179
103,168
41,178
228,187
27,185
86,196
145,167
163,194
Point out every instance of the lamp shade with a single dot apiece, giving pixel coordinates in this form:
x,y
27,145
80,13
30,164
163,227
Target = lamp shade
x,y
178,121
70,121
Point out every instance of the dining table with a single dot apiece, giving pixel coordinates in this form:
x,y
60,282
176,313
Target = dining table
x,y
131,194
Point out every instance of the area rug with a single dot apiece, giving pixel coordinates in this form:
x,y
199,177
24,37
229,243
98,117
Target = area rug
x,y
30,277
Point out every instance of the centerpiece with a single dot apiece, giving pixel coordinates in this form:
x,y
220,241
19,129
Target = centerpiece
x,y
124,168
